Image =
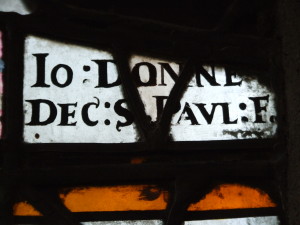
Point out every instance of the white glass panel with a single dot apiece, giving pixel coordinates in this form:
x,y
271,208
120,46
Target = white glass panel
x,y
228,107
267,220
14,6
73,94
126,222
155,79
217,105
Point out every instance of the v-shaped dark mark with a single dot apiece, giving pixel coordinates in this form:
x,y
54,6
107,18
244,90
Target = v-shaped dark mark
x,y
172,101
131,93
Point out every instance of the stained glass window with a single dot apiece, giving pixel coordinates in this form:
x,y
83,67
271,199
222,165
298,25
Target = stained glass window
x,y
136,120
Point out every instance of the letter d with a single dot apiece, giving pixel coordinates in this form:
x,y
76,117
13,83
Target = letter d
x,y
35,117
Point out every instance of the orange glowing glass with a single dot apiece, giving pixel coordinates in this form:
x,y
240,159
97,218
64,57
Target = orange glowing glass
x,y
137,160
25,209
117,198
233,196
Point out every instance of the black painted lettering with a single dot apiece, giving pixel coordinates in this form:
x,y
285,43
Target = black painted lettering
x,y
160,104
102,74
190,115
65,114
166,67
40,70
36,108
226,116
229,74
69,75
211,78
207,116
259,108
151,71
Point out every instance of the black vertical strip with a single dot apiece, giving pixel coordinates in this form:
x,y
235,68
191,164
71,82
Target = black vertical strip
x,y
131,93
13,85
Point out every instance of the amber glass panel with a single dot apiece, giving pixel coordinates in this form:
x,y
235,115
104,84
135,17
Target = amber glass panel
x,y
155,79
25,209
137,160
225,105
117,198
233,196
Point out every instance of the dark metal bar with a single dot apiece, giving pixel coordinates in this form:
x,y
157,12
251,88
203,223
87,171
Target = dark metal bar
x,y
225,146
152,171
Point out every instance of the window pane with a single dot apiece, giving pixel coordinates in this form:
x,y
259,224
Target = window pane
x,y
116,198
25,209
220,104
266,220
73,94
233,196
126,222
